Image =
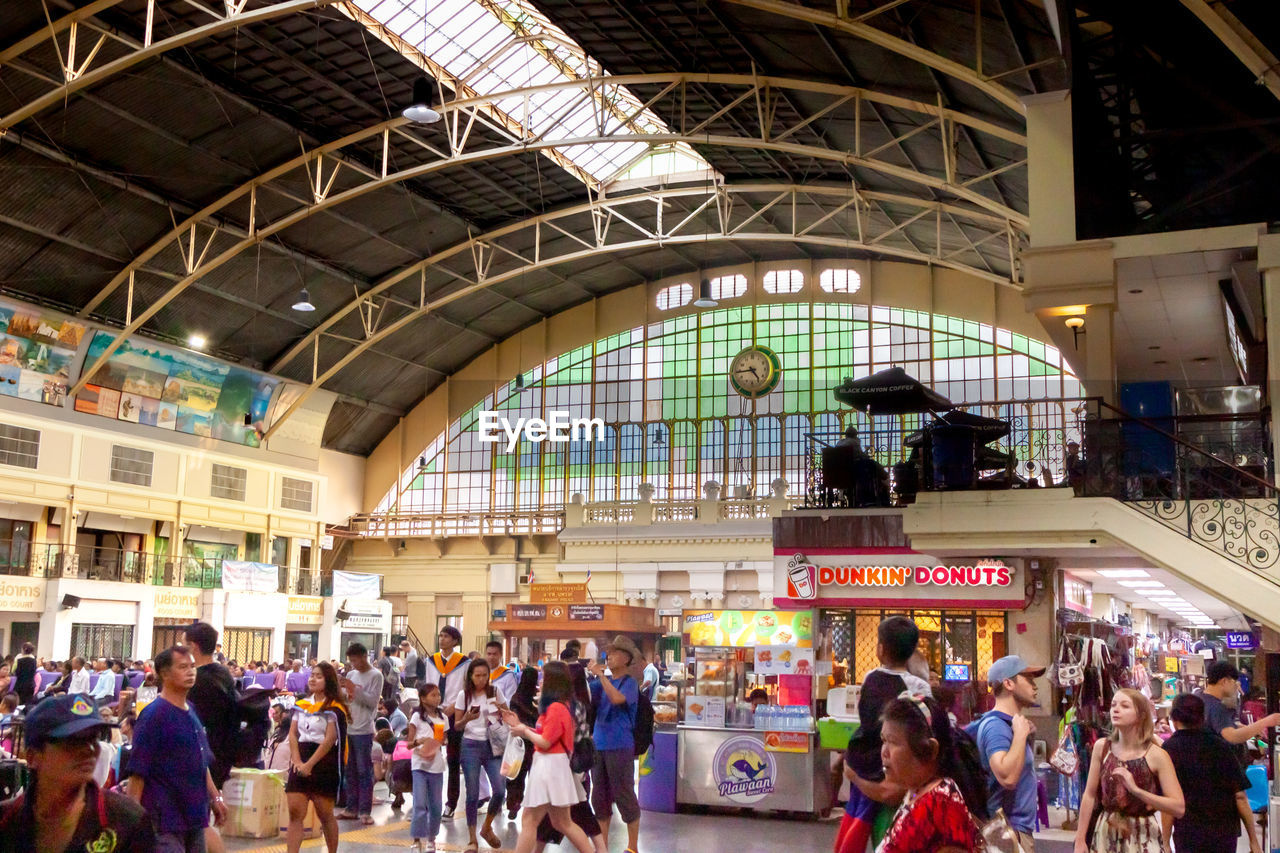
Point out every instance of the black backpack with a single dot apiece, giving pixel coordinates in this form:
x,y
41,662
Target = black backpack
x,y
969,773
584,748
253,709
643,728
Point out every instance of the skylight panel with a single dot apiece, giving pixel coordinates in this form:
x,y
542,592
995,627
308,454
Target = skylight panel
x,y
495,46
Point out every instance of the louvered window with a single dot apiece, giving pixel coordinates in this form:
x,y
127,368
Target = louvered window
x,y
131,465
228,482
19,446
296,494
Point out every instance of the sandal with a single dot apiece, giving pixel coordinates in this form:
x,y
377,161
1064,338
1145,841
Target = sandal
x,y
366,819
491,838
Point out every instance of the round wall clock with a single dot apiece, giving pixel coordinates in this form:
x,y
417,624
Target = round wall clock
x,y
755,371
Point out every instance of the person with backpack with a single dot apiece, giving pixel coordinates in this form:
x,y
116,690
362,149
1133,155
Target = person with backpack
x,y
580,763
1004,742
896,641
613,774
919,755
550,789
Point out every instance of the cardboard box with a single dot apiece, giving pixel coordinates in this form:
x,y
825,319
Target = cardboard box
x,y
255,803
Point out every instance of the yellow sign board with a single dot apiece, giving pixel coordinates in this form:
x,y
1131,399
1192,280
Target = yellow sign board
x,y
749,628
177,604
558,593
1171,663
21,595
305,609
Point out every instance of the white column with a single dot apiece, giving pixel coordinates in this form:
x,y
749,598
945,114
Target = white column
x,y
1051,190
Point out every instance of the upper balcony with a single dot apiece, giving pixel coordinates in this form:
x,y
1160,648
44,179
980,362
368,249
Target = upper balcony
x,y
53,561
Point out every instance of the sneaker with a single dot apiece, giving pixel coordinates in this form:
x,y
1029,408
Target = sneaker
x,y
447,814
415,847
430,848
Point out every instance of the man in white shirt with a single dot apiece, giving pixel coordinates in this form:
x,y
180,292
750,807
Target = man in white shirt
x,y
79,676
409,671
503,678
447,669
105,688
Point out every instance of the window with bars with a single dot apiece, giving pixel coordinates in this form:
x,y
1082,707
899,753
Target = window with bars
x,y
229,482
840,281
675,296
91,641
131,465
166,636
19,446
296,494
674,421
783,281
973,639
247,644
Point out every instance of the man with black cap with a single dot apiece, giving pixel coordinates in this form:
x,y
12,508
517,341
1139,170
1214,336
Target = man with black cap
x,y
1004,739
62,809
445,668
613,773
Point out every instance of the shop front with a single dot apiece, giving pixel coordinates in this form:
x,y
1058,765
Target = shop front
x,y
729,753
174,609
367,622
960,606
302,629
21,603
536,631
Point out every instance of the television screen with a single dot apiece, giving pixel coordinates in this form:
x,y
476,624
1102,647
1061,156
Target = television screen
x,y
956,672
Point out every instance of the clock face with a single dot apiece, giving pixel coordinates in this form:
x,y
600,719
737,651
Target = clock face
x,y
755,371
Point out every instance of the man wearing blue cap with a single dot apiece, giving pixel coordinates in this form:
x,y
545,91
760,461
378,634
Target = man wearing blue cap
x,y
1004,738
62,809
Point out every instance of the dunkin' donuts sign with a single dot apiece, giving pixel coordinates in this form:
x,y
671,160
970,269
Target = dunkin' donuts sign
x,y
807,580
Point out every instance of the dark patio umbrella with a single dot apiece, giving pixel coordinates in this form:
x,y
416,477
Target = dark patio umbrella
x,y
891,392
985,429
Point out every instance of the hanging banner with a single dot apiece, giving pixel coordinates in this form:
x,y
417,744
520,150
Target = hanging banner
x,y
356,585
244,576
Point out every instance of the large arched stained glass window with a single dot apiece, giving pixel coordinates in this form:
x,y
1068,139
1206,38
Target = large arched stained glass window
x,y
673,420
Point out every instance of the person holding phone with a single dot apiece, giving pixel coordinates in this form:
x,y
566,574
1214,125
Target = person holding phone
x,y
477,707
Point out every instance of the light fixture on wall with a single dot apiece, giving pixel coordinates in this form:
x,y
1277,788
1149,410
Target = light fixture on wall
x,y
704,299
341,615
304,301
1075,324
420,111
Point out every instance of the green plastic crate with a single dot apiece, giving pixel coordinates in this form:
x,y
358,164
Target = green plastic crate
x,y
835,734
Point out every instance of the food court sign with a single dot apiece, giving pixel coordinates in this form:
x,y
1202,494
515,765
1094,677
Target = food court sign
x,y
890,579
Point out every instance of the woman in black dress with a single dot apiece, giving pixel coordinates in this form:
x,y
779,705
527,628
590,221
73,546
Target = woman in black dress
x,y
317,742
24,674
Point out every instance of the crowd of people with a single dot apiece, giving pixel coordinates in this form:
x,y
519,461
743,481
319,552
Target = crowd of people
x,y
921,784
431,726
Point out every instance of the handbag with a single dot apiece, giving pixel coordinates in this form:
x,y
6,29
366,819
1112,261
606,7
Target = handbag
x,y
512,758
999,837
1068,672
499,733
1065,759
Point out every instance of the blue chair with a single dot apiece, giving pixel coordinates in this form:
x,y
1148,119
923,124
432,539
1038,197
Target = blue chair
x,y
44,678
1258,793
135,680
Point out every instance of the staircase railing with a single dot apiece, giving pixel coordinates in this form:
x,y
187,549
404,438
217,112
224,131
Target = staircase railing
x,y
1213,500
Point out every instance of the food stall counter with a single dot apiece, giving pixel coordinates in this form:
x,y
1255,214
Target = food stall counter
x,y
748,768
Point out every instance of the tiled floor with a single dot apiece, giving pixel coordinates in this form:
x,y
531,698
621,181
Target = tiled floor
x,y
659,833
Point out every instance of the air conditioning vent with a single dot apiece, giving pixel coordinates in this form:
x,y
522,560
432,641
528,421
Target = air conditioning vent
x,y
19,446
296,494
131,465
229,482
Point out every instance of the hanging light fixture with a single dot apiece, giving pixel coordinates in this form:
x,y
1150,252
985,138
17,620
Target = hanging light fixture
x,y
422,463
420,111
519,382
658,439
304,301
704,299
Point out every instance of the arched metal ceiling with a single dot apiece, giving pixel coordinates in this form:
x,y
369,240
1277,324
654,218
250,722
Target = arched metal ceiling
x,y
187,165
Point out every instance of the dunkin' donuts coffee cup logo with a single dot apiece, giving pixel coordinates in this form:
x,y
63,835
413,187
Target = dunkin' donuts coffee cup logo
x,y
802,581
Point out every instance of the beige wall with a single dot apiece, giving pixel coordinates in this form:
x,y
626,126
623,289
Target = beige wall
x,y
883,283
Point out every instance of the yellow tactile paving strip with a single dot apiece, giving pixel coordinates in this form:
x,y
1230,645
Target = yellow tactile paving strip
x,y
390,835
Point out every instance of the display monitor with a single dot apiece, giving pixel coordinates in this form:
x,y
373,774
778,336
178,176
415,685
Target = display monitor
x,y
956,672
